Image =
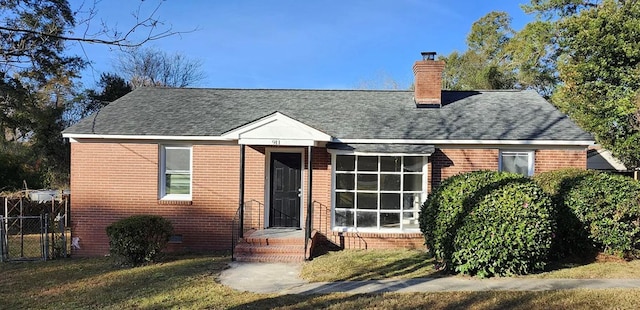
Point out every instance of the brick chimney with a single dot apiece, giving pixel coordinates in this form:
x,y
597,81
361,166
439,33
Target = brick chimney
x,y
428,81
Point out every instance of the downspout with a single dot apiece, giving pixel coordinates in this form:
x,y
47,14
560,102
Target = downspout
x,y
241,191
307,234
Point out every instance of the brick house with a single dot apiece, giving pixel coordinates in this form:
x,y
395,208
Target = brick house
x,y
204,157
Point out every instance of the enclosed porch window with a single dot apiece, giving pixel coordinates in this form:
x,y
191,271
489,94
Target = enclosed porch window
x,y
378,192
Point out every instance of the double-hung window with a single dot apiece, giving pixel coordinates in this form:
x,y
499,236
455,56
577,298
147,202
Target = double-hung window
x,y
378,192
517,161
175,173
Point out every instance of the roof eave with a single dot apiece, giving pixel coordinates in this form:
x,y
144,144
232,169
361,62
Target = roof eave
x,y
470,142
79,136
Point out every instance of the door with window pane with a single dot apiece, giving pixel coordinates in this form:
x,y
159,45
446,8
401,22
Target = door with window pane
x,y
286,173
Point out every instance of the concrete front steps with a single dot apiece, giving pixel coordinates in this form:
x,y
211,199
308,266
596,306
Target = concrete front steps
x,y
271,245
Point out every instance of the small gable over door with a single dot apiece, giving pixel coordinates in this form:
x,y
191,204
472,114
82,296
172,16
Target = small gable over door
x,y
278,129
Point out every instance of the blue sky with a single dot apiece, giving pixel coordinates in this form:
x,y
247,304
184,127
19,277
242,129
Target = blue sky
x,y
332,44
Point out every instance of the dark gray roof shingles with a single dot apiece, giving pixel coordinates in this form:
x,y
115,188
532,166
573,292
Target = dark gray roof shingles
x,y
343,114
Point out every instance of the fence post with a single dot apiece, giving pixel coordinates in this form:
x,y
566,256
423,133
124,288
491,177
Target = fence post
x,y
44,222
2,240
21,229
63,236
6,213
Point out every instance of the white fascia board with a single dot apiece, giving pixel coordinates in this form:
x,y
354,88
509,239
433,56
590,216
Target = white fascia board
x,y
277,142
77,136
469,142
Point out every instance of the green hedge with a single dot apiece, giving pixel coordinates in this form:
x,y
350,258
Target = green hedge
x,y
572,238
488,223
605,206
139,239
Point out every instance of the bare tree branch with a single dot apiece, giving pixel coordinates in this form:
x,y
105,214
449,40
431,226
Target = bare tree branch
x,y
150,67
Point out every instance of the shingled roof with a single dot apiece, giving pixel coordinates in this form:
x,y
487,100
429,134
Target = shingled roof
x,y
342,114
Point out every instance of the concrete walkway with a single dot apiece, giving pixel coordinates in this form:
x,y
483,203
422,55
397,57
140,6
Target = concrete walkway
x,y
283,278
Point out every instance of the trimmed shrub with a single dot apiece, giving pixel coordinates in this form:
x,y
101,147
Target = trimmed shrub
x,y
606,206
442,213
558,182
488,223
509,232
572,238
139,239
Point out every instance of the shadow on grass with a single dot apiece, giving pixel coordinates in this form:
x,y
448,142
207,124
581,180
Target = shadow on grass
x,y
440,300
371,265
570,262
401,268
98,282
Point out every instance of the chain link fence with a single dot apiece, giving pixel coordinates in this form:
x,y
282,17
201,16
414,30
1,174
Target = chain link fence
x,y
34,230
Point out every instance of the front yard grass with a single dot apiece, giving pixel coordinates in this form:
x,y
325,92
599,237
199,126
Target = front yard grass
x,y
189,282
354,265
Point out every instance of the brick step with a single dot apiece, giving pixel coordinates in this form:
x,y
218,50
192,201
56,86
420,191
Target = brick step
x,y
271,249
274,241
260,258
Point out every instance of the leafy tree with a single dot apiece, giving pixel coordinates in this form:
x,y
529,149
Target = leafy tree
x,y
485,64
549,9
598,54
111,87
151,67
582,54
498,57
37,78
532,55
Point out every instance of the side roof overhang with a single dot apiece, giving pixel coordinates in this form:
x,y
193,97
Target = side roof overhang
x,y
276,129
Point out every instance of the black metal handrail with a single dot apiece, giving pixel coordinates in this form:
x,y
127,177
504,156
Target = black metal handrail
x,y
253,219
288,218
235,232
256,223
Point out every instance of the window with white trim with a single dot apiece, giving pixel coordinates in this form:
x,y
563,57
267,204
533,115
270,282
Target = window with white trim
x,y
175,173
378,192
517,161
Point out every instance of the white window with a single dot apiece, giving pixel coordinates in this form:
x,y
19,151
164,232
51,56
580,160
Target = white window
x,y
518,162
175,173
374,192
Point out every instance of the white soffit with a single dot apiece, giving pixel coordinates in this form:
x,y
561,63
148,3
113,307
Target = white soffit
x,y
604,160
277,129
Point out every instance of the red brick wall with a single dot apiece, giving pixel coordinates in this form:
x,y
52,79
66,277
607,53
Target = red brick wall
x,y
547,160
321,191
428,81
110,181
362,241
445,163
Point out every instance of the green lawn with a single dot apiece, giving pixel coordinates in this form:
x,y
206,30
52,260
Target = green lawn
x,y
383,264
189,282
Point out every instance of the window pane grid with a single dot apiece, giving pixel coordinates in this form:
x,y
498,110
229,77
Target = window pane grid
x,y
374,190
